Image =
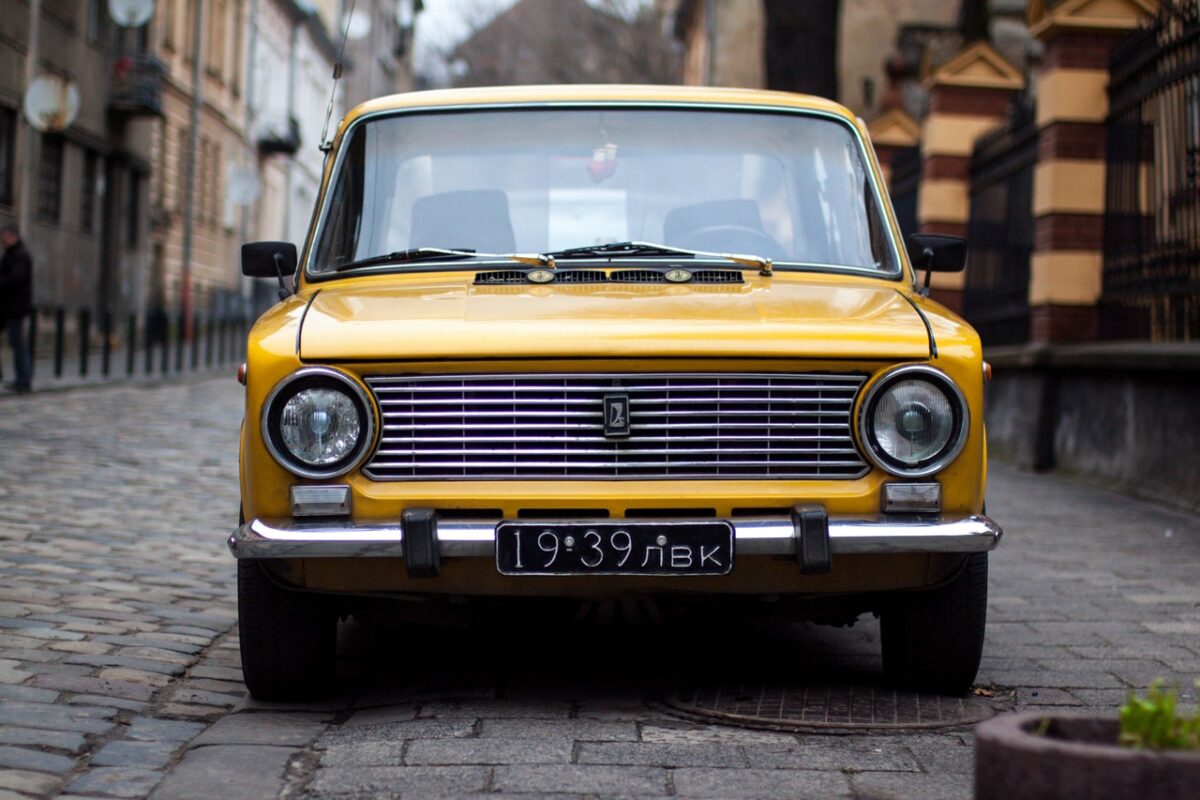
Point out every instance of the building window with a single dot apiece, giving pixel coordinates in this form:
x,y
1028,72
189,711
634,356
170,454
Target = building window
x,y
168,24
87,192
97,23
214,196
50,172
181,159
235,73
189,9
8,146
215,56
133,214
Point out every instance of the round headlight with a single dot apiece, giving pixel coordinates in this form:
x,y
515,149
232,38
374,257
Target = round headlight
x,y
913,421
317,423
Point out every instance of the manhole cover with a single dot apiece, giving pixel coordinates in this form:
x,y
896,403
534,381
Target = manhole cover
x,y
826,709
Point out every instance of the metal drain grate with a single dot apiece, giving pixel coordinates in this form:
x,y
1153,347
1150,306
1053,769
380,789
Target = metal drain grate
x,y
829,708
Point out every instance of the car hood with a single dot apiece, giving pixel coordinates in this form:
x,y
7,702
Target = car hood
x,y
445,316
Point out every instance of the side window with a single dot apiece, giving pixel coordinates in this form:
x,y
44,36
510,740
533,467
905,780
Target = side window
x,y
339,239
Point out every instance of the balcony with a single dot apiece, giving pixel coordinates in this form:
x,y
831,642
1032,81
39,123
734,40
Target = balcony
x,y
137,82
281,137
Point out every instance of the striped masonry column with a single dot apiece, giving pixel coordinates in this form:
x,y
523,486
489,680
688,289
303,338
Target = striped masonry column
x,y
1066,269
968,95
890,133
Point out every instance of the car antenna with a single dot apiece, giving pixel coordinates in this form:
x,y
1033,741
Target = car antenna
x,y
325,145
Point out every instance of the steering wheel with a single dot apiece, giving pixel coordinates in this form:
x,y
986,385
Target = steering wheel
x,y
738,239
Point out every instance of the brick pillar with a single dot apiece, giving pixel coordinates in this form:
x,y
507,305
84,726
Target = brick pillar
x,y
1065,275
891,133
968,95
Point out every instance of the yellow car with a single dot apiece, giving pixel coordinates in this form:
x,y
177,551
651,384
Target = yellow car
x,y
654,345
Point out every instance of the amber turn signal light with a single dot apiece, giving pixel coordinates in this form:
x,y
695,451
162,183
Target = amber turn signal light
x,y
241,373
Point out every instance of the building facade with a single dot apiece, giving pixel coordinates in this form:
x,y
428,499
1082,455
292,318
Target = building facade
x,y
80,194
196,132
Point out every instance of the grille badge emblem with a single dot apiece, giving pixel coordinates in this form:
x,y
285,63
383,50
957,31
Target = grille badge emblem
x,y
616,415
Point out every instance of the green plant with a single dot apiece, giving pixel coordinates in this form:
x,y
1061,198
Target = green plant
x,y
1154,723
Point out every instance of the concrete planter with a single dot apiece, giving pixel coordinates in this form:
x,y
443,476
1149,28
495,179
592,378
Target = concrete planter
x,y
1077,757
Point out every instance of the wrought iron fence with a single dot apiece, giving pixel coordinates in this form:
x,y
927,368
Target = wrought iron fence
x,y
906,182
75,345
1152,197
1000,228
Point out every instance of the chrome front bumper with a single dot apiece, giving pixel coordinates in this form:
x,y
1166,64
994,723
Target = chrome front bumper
x,y
476,538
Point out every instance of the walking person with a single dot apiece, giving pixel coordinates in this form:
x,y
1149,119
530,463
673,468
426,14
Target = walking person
x,y
16,303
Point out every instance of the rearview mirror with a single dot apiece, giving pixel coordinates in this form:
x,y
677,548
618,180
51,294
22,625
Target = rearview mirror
x,y
937,253
259,259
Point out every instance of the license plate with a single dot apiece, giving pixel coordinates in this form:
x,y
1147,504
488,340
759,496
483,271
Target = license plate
x,y
614,548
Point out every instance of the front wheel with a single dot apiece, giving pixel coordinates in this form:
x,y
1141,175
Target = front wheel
x,y
933,640
288,638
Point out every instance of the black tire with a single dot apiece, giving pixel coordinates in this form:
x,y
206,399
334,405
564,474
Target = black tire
x,y
288,638
933,640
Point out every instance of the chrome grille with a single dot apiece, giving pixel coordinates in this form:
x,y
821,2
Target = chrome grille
x,y
475,427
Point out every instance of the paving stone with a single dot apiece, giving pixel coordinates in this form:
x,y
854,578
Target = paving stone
x,y
852,753
125,662
125,675
26,782
152,729
941,754
147,755
93,648
500,709
27,694
661,755
898,786
581,779
115,702
759,783
404,781
199,697
34,760
61,740
488,751
217,673
116,781
95,686
10,671
583,730
186,711
262,728
398,731
53,717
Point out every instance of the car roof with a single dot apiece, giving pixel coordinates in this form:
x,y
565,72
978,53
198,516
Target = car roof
x,y
597,93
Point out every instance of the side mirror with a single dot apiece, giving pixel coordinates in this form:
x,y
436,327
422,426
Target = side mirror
x,y
937,253
259,259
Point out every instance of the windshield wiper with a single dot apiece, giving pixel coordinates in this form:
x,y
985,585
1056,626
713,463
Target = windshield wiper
x,y
636,249
441,254
619,249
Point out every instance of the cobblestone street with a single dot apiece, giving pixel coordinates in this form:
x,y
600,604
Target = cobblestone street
x,y
119,670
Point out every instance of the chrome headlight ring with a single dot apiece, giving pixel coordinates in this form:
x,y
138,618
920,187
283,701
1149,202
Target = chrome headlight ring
x,y
312,378
946,453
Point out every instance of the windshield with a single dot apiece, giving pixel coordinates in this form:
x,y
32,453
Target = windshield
x,y
790,187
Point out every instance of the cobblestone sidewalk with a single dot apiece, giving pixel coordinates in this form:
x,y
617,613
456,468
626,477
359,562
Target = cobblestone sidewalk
x,y
119,672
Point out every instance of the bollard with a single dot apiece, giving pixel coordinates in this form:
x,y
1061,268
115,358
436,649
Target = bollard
x,y
180,330
130,343
165,366
59,334
85,333
195,343
208,342
106,346
33,323
221,341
